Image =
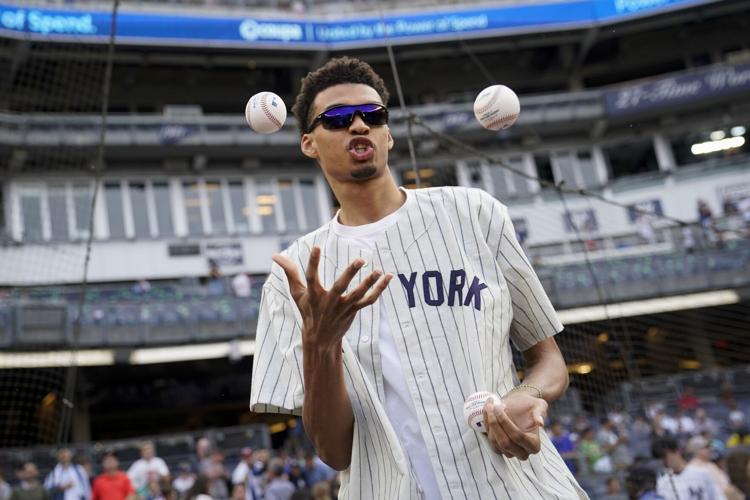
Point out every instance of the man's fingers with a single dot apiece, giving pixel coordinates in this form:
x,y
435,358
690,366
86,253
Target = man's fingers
x,y
339,286
311,274
499,438
529,441
362,288
296,286
375,292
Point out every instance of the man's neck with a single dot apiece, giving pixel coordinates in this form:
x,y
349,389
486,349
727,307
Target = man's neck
x,y
367,202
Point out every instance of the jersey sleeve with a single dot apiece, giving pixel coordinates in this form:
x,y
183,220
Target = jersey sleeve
x,y
276,384
534,318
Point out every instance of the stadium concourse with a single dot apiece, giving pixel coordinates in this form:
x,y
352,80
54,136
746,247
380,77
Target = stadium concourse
x,y
139,214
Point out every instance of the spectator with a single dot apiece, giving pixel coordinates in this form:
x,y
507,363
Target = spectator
x,y
704,423
322,491
738,468
614,490
296,476
147,464
278,487
640,437
740,437
316,471
152,490
238,492
218,477
199,491
688,401
685,424
141,287
242,286
688,239
215,279
112,484
698,451
592,457
201,462
184,480
640,483
737,418
29,488
614,445
5,489
645,229
561,440
243,474
682,480
667,423
706,220
68,481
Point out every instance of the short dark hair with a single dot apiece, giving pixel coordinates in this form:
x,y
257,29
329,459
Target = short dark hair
x,y
335,72
661,446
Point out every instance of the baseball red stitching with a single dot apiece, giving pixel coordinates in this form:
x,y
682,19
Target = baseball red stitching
x,y
490,102
267,111
501,120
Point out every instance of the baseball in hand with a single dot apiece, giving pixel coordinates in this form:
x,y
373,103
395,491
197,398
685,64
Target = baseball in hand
x,y
497,107
473,410
265,112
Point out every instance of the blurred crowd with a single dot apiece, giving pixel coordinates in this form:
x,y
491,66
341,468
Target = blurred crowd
x,y
680,453
256,474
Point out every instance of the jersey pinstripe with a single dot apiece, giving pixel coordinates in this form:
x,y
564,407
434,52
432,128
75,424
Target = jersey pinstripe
x,y
463,291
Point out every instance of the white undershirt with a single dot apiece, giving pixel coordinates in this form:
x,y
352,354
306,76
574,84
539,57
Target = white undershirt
x,y
398,403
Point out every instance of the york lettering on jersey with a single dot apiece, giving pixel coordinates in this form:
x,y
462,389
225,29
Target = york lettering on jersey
x,y
436,293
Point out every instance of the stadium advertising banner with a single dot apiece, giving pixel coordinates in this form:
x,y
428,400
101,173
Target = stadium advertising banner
x,y
699,86
314,33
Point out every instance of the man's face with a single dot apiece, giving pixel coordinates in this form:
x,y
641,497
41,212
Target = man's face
x,y
357,153
65,456
147,451
110,463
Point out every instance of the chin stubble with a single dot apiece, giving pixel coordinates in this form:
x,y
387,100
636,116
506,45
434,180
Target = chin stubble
x,y
365,172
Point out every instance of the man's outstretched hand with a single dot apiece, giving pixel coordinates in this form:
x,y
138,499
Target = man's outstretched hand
x,y
328,314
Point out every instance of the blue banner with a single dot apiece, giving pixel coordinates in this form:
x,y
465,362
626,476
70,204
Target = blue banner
x,y
718,81
177,29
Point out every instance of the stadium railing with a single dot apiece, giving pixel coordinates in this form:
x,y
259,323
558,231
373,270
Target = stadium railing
x,y
168,314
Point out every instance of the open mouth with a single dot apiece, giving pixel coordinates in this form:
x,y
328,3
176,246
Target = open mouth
x,y
361,149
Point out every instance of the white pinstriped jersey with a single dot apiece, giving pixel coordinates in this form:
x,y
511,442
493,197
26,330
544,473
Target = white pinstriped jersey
x,y
463,290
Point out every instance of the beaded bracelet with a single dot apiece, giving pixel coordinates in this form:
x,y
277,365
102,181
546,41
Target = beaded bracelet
x,y
527,386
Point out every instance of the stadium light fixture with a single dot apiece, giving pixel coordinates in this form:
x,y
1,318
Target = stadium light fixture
x,y
649,306
737,131
717,135
217,350
89,357
703,148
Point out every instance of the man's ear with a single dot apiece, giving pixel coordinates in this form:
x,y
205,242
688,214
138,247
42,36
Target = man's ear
x,y
390,140
307,145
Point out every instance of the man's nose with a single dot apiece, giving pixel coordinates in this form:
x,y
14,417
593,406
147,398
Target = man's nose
x,y
358,124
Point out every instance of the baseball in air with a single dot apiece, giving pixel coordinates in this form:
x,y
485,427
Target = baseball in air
x,y
265,112
473,410
497,107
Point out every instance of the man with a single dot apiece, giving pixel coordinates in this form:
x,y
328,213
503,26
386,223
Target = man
x,y
148,463
277,487
29,488
564,445
641,483
243,474
698,450
68,481
112,483
682,481
408,305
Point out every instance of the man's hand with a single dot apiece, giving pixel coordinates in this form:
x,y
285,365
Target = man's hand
x,y
513,424
328,314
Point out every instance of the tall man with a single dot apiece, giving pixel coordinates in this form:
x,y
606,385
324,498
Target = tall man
x,y
68,481
378,325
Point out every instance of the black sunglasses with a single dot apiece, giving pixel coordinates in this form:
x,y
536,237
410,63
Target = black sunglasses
x,y
340,117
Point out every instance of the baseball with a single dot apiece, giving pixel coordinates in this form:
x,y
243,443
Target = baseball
x,y
473,410
265,112
497,107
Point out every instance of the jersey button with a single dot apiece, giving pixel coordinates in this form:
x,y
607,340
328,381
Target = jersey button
x,y
365,339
